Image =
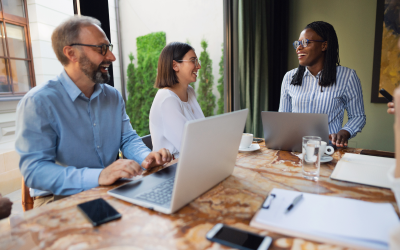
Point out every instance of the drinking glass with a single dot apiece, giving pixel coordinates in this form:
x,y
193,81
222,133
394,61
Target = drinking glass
x,y
311,157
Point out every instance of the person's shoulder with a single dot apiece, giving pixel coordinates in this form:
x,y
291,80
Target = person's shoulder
x,y
346,70
289,75
44,91
291,72
165,94
110,90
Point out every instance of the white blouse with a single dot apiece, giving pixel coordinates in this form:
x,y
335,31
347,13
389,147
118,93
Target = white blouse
x,y
168,115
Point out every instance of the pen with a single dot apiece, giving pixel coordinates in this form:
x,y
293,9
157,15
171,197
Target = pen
x,y
294,202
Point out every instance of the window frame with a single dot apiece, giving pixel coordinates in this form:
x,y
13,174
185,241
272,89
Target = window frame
x,y
6,18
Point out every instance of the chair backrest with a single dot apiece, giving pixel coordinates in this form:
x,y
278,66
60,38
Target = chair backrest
x,y
27,200
147,141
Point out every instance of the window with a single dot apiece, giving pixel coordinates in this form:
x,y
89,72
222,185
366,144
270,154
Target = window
x,y
16,67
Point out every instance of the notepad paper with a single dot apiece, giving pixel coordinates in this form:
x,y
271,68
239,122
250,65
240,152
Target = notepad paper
x,y
363,169
335,220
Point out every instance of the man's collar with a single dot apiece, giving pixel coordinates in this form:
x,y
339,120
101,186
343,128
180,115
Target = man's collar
x,y
69,86
73,90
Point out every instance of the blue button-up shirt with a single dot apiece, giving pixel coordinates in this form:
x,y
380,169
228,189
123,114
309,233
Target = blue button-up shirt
x,y
346,93
65,139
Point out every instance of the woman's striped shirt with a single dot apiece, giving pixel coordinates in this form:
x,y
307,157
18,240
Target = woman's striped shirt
x,y
310,97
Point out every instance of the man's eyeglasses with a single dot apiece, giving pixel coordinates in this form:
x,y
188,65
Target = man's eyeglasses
x,y
196,62
304,43
104,47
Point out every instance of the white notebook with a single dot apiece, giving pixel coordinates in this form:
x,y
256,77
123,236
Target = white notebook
x,y
364,169
340,221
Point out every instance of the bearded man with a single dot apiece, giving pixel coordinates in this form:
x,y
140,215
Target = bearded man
x,y
70,129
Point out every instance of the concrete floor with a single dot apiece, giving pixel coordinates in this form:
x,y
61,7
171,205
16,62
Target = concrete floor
x,y
16,198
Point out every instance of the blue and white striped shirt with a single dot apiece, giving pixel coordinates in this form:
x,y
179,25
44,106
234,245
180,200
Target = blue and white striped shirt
x,y
346,93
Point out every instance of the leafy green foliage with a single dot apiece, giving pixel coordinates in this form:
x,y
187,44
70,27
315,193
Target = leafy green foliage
x,y
220,85
205,96
141,80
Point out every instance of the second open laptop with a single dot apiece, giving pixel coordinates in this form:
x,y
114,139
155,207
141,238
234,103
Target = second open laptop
x,y
208,154
284,131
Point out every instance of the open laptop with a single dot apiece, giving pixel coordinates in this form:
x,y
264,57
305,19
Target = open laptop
x,y
208,154
284,131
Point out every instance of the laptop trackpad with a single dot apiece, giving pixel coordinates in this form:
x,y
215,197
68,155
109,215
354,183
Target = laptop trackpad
x,y
145,184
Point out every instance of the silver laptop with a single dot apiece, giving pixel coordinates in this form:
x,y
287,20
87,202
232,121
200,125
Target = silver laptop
x,y
284,131
208,154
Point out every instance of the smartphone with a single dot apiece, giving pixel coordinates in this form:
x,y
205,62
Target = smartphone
x,y
239,239
385,94
99,211
257,140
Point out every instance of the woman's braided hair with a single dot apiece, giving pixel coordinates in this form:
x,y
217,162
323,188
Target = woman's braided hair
x,y
328,76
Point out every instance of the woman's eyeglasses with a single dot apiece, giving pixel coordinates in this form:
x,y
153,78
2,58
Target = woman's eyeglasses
x,y
196,62
304,43
104,47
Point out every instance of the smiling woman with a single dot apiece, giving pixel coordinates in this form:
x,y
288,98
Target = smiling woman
x,y
175,102
321,85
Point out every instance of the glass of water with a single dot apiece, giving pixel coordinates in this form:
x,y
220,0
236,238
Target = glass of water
x,y
311,157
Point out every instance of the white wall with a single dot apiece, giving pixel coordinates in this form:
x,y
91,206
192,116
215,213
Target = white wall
x,y
181,20
44,16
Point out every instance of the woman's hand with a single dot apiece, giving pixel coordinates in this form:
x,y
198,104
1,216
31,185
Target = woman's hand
x,y
390,109
340,139
157,158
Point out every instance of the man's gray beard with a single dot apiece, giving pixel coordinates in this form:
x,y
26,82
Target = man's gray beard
x,y
92,71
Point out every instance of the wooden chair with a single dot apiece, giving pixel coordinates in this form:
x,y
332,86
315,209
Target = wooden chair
x,y
27,200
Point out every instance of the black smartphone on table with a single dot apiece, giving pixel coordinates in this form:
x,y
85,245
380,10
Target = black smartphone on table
x,y
386,94
236,238
99,211
258,140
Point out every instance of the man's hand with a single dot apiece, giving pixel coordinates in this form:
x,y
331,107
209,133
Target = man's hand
x,y
390,109
157,158
5,207
121,168
340,139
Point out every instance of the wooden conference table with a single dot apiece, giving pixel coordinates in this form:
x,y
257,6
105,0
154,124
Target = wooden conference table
x,y
234,201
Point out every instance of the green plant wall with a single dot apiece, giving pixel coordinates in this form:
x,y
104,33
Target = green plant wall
x,y
141,80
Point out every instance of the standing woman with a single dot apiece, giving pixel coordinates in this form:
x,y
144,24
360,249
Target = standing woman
x,y
321,85
175,102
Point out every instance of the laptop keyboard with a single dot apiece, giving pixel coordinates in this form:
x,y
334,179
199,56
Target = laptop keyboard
x,y
160,194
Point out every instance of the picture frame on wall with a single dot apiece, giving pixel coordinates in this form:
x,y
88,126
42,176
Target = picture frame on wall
x,y
386,73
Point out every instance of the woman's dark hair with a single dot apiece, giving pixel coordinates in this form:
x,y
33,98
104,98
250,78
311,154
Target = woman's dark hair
x,y
328,76
166,75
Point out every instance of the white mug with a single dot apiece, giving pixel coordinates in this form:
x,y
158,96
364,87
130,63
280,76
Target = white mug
x,y
325,149
246,141
310,150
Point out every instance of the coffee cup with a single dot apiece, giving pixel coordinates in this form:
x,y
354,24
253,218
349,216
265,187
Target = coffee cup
x,y
325,149
246,141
